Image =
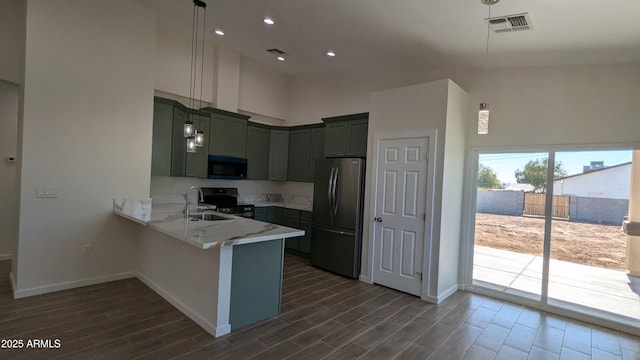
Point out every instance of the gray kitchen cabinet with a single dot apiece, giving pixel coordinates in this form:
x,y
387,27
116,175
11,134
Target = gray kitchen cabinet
x,y
162,137
261,214
317,149
298,219
304,242
346,136
306,145
257,152
197,162
178,143
278,154
228,136
336,138
291,219
168,150
275,215
358,133
299,155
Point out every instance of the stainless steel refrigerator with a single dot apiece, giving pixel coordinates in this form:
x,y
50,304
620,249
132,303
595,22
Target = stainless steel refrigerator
x,y
336,234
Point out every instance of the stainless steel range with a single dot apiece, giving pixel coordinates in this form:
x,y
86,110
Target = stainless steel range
x,y
226,201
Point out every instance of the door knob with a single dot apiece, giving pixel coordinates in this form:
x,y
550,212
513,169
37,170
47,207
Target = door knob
x,y
378,219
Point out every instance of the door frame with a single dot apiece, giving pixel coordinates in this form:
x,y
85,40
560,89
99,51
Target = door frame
x,y
429,255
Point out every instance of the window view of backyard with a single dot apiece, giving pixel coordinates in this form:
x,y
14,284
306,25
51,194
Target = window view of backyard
x,y
588,249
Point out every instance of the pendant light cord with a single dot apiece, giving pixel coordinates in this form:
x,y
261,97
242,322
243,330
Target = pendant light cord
x,y
486,56
191,75
204,31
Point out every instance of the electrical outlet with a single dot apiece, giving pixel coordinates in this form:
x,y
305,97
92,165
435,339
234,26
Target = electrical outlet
x,y
46,192
86,249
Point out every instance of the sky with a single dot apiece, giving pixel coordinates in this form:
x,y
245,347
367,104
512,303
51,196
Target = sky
x,y
505,164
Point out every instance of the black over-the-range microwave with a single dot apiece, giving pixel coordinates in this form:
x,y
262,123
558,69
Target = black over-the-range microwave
x,y
227,167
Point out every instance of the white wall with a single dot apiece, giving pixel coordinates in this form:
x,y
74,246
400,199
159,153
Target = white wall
x,y
412,111
263,90
560,105
87,122
11,39
8,146
172,61
452,184
613,183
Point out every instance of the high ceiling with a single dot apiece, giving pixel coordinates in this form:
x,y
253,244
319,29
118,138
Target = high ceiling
x,y
383,35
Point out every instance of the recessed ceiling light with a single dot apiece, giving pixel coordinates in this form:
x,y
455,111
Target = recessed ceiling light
x,y
281,58
219,32
269,21
331,53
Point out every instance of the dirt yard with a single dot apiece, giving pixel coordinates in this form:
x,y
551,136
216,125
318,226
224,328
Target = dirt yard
x,y
598,245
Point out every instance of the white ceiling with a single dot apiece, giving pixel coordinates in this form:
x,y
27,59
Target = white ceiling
x,y
387,35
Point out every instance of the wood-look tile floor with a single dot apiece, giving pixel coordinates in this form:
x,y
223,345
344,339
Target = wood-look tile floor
x,y
324,317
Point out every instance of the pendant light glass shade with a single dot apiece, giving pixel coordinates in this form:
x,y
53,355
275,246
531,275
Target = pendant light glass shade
x,y
483,119
188,129
199,140
191,145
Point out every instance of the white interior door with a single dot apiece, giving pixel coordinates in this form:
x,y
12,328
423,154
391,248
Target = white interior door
x,y
399,216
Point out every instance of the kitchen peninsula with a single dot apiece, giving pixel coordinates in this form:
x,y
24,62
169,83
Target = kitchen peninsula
x,y
223,274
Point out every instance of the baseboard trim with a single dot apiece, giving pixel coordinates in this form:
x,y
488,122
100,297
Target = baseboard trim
x,y
4,257
365,278
445,294
12,280
70,284
450,291
206,325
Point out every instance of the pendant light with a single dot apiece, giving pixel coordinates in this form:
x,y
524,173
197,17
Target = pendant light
x,y
195,137
483,111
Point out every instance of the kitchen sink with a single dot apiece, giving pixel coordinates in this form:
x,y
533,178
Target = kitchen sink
x,y
207,216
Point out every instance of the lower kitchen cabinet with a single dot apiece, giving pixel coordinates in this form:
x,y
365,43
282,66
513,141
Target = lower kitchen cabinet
x,y
298,219
292,218
261,214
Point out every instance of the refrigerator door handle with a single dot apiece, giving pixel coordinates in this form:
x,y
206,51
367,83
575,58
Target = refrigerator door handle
x,y
335,193
330,188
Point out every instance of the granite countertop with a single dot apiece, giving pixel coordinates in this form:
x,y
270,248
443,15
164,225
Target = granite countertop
x,y
169,219
287,205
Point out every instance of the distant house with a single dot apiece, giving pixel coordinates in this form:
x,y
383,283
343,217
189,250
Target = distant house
x,y
518,187
611,182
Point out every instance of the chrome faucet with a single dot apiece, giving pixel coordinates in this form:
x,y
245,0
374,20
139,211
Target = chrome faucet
x,y
186,206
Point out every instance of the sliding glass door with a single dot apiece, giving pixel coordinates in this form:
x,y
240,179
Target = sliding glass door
x,y
547,228
509,223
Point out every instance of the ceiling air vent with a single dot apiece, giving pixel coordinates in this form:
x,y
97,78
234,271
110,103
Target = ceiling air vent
x,y
517,22
276,51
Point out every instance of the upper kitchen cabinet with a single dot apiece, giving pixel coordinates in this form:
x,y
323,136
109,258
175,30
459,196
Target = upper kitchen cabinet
x,y
257,151
278,154
197,162
228,135
168,152
346,136
306,144
317,148
299,154
162,137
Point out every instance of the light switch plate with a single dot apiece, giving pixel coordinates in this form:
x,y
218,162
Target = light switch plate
x,y
46,192
10,159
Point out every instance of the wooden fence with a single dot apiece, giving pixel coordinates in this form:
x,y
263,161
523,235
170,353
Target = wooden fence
x,y
534,204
